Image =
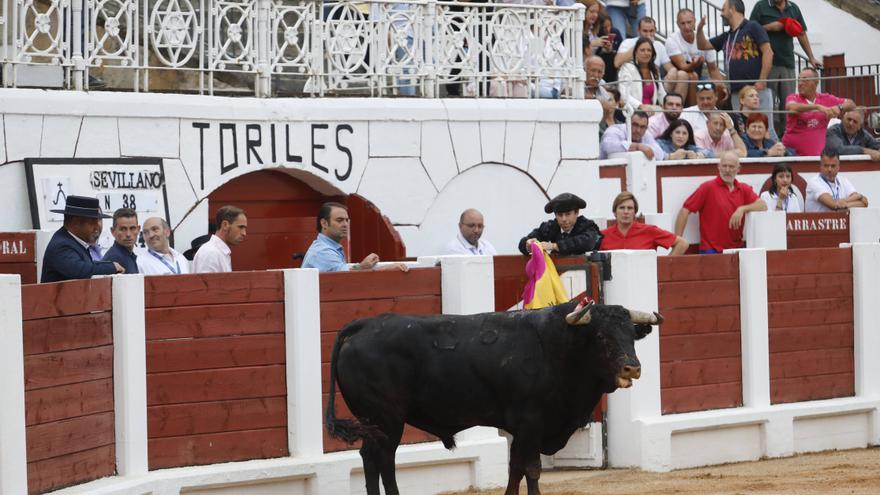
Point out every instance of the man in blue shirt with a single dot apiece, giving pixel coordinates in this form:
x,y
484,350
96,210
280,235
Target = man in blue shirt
x,y
326,253
125,230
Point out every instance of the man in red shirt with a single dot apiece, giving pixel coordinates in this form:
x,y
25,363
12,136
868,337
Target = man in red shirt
x,y
722,204
629,234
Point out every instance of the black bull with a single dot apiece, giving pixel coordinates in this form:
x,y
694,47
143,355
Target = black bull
x,y
535,374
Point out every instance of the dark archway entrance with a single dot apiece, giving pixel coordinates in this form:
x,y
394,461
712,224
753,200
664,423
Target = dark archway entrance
x,y
281,213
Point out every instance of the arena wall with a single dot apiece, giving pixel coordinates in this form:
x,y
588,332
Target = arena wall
x,y
797,393
214,387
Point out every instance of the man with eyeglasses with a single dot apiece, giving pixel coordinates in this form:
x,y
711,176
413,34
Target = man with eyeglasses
x,y
615,141
698,115
470,232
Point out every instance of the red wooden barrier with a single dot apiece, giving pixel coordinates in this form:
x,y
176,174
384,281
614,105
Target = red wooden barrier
x,y
510,277
216,387
18,255
814,230
810,294
68,373
700,350
347,296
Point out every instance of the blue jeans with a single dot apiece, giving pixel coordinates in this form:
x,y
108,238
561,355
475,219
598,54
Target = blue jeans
x,y
406,85
620,19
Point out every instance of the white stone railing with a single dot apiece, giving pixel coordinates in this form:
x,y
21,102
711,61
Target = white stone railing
x,y
375,47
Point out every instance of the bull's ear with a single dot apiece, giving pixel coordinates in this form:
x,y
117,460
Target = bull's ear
x,y
642,331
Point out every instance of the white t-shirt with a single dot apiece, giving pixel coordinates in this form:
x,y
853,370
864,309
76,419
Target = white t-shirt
x,y
661,59
695,117
213,257
793,205
620,3
676,45
817,186
151,263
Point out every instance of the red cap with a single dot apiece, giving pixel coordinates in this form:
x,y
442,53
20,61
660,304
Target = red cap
x,y
792,27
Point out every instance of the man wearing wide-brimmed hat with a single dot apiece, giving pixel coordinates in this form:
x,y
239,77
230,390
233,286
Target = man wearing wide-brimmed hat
x,y
568,233
67,255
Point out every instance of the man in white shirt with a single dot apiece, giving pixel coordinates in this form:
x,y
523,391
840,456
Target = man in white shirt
x,y
698,115
470,231
674,80
160,258
683,53
830,191
215,256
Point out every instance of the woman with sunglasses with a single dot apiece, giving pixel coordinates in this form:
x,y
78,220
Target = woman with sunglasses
x,y
750,103
782,194
678,142
756,140
640,82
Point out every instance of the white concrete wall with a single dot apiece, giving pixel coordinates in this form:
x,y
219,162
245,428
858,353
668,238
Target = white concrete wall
x,y
421,161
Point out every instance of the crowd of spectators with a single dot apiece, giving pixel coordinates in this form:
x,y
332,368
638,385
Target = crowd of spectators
x,y
761,110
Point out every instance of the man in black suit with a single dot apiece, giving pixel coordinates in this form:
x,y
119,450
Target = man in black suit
x,y
67,256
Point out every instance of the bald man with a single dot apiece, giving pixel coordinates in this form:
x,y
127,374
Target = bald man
x,y
470,231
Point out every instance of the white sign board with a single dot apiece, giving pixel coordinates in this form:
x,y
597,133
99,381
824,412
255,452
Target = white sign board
x,y
136,183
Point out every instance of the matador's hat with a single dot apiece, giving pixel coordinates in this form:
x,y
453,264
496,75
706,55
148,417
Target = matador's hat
x,y
564,202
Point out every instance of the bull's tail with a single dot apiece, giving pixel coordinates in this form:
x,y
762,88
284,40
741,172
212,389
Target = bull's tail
x,y
347,430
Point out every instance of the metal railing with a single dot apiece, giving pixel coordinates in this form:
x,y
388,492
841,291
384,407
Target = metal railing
x,y
284,47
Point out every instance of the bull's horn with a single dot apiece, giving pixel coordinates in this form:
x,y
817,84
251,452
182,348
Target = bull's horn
x,y
581,314
643,318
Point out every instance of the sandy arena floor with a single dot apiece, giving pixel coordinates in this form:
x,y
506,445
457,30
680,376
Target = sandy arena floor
x,y
838,472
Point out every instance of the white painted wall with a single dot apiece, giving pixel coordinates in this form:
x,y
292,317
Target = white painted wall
x,y
420,161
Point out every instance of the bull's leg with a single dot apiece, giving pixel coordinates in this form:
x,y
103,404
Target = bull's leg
x,y
370,455
388,448
533,473
523,454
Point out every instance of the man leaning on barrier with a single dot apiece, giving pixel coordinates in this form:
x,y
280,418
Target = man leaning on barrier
x,y
851,138
614,139
829,190
568,232
326,252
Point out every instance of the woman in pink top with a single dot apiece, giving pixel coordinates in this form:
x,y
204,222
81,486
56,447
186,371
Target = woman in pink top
x,y
809,113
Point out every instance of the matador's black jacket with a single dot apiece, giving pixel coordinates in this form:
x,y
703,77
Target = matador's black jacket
x,y
584,236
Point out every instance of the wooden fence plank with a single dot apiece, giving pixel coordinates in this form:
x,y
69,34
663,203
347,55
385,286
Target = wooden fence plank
x,y
701,398
213,417
214,321
817,337
693,294
213,288
61,368
354,285
335,315
213,385
68,401
27,271
701,372
809,286
71,469
687,321
215,352
804,388
217,447
67,333
813,260
810,363
73,297
70,435
699,268
699,347
811,313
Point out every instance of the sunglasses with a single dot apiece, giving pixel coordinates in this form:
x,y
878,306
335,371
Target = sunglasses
x,y
705,85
